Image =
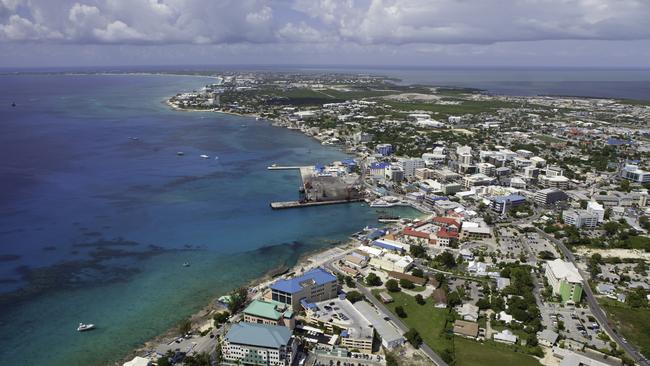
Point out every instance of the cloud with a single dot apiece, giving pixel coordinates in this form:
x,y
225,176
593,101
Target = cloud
x,y
362,22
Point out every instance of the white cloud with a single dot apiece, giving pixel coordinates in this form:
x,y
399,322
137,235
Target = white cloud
x,y
364,22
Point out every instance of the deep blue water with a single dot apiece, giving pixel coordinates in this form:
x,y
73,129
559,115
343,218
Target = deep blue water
x,y
95,226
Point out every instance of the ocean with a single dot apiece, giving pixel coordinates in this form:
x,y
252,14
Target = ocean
x,y
99,213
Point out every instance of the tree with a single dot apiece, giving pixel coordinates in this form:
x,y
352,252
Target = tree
x,y
373,280
636,298
220,318
446,259
418,251
164,360
200,359
413,337
407,284
611,228
238,299
400,312
625,186
454,299
483,303
185,326
392,285
349,282
419,299
417,272
353,296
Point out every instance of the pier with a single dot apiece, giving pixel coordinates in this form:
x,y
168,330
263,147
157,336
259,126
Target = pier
x,y
297,204
278,167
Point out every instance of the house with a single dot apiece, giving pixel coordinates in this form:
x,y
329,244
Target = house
x,y
385,297
502,282
415,279
269,312
505,336
468,312
605,289
466,329
314,285
547,337
258,344
479,268
439,298
505,317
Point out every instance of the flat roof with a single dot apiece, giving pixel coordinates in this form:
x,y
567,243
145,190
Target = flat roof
x,y
387,331
266,309
564,271
316,276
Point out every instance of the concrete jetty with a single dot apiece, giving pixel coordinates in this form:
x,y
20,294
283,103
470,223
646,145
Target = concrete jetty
x,y
297,204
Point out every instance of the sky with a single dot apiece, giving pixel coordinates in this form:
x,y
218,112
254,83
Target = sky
x,y
575,33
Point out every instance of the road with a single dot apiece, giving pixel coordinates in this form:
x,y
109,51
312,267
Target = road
x,y
387,313
594,306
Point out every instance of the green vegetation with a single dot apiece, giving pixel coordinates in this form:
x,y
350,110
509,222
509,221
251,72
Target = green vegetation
x,y
373,280
392,285
548,139
632,323
464,106
470,353
354,296
238,299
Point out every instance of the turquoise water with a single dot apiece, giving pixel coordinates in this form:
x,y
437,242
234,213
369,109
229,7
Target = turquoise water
x,y
95,226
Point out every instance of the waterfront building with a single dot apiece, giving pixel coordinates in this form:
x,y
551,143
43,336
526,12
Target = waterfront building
x,y
314,285
391,245
258,344
392,262
270,313
580,218
565,280
549,196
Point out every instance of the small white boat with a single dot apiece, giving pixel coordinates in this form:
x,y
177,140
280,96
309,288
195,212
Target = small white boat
x,y
134,138
180,153
84,327
186,264
205,157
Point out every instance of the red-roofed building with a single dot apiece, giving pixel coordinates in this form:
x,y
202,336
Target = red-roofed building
x,y
446,237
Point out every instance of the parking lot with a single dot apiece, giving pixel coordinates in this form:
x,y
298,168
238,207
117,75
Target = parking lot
x,y
579,324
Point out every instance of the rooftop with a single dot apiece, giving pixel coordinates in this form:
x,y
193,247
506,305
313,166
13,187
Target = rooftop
x,y
564,271
259,335
266,309
316,276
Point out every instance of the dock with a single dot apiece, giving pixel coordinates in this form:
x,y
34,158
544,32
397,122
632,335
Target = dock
x,y
298,204
278,167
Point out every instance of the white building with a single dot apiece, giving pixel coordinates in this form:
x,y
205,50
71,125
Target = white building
x,y
487,169
258,344
633,173
597,209
410,166
580,218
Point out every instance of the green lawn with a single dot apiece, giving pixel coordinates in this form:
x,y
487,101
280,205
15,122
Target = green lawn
x,y
471,353
549,139
633,324
430,323
639,242
428,320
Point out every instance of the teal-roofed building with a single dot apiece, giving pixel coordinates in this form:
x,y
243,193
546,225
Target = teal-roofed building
x,y
258,344
270,312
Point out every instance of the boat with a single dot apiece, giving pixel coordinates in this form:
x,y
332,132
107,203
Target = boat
x,y
84,327
134,138
13,104
388,218
380,203
205,157
180,153
186,264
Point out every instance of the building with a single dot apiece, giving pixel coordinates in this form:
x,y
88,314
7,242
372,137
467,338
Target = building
x,y
390,336
487,169
392,262
547,337
384,149
391,245
580,218
356,331
468,312
378,169
439,298
270,313
314,285
565,280
501,204
505,336
475,232
477,180
451,188
597,209
454,119
466,329
549,196
258,344
633,173
410,166
394,173
424,173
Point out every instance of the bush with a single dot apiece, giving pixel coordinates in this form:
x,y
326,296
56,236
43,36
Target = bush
x,y
417,272
392,285
419,299
220,318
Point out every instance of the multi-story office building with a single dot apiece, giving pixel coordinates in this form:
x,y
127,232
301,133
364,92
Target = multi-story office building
x,y
633,173
487,169
314,285
565,280
502,203
270,313
384,149
258,344
549,196
580,218
596,209
410,166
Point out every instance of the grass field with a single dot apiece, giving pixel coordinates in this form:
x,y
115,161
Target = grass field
x,y
633,324
464,107
549,139
430,322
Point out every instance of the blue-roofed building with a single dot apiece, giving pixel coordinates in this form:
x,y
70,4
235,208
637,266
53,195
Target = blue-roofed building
x,y
618,142
391,245
384,149
312,286
378,169
503,203
349,164
375,234
258,344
